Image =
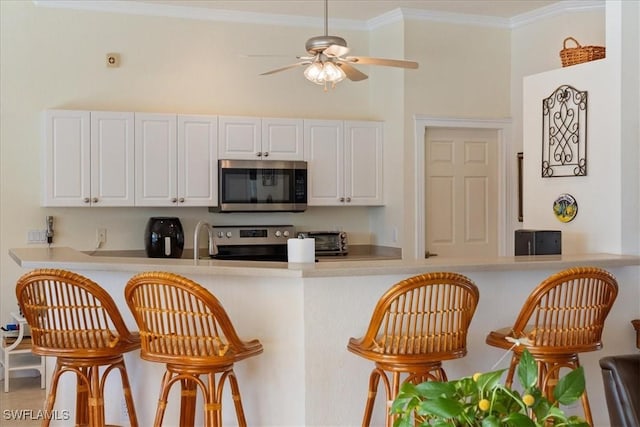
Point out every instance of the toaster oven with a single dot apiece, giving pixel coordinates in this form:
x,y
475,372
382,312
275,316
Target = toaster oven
x,y
329,242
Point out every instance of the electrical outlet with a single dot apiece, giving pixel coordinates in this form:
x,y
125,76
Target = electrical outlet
x,y
101,236
37,236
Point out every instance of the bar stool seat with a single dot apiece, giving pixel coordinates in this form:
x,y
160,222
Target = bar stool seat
x,y
416,325
562,317
185,327
76,321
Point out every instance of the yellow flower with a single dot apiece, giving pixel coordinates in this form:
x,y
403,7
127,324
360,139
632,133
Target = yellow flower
x,y
476,376
528,400
484,405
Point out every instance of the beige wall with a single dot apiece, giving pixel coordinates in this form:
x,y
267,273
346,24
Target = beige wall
x,y
54,58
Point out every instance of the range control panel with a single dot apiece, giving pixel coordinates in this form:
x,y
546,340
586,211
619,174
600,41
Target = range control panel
x,y
253,234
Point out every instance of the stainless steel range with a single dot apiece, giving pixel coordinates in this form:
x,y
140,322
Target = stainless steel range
x,y
253,242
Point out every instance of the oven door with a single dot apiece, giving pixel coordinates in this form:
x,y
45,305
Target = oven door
x,y
262,186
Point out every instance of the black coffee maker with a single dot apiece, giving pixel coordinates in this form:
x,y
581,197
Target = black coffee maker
x,y
164,237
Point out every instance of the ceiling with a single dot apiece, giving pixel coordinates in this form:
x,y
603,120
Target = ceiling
x,y
364,10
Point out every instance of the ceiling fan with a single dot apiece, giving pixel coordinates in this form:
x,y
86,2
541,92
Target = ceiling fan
x,y
327,62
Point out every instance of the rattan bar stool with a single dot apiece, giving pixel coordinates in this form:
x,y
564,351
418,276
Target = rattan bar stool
x,y
418,323
562,317
75,320
184,326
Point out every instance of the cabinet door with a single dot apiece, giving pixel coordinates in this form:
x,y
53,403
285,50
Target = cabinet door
x,y
239,138
282,139
197,161
324,152
67,179
363,163
156,162
112,155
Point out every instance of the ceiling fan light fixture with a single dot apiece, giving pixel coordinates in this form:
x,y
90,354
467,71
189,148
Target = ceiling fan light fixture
x,y
324,72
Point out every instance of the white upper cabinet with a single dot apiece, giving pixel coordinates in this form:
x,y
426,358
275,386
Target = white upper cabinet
x,y
89,158
345,162
197,160
363,163
156,160
253,138
176,160
112,159
282,139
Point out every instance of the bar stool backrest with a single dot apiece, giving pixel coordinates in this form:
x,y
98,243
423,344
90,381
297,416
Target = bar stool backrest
x,y
567,310
180,320
427,314
70,315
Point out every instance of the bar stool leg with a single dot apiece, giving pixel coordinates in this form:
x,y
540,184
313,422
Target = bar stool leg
x,y
96,399
235,393
374,380
187,402
82,397
128,397
162,399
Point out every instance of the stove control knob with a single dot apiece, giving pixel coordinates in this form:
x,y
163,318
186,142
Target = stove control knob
x,y
221,234
285,233
278,233
229,234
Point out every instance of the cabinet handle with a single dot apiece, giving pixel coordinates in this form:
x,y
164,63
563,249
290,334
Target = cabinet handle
x,y
174,200
341,199
94,200
86,200
266,154
259,154
181,200
348,199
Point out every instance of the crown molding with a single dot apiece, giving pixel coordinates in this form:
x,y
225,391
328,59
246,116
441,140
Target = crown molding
x,y
203,14
394,16
556,9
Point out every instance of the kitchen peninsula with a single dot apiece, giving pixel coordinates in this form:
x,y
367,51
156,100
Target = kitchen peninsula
x,y
304,315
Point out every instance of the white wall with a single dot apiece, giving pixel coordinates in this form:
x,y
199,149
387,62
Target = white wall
x,y
607,221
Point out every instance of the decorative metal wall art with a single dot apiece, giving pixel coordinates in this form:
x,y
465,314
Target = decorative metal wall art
x,y
564,133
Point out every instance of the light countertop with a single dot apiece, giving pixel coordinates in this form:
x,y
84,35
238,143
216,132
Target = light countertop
x,y
68,258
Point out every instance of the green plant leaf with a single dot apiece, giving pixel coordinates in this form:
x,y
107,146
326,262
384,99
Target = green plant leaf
x,y
487,381
491,421
403,403
570,387
442,407
433,389
403,422
527,370
519,420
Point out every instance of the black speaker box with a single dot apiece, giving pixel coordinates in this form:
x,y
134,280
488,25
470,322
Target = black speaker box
x,y
538,242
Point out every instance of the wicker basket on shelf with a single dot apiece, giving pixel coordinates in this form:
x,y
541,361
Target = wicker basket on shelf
x,y
580,54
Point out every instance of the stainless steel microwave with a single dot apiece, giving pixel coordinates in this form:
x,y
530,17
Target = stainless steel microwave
x,y
261,186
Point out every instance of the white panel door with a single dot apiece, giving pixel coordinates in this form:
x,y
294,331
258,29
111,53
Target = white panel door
x,y
112,159
239,138
67,176
282,139
324,153
197,161
156,162
461,192
363,163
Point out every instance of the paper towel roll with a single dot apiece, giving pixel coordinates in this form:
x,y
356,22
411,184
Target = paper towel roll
x,y
301,250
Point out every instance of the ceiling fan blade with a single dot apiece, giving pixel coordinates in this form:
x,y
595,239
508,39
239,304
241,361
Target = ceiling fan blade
x,y
401,63
336,50
352,73
277,70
